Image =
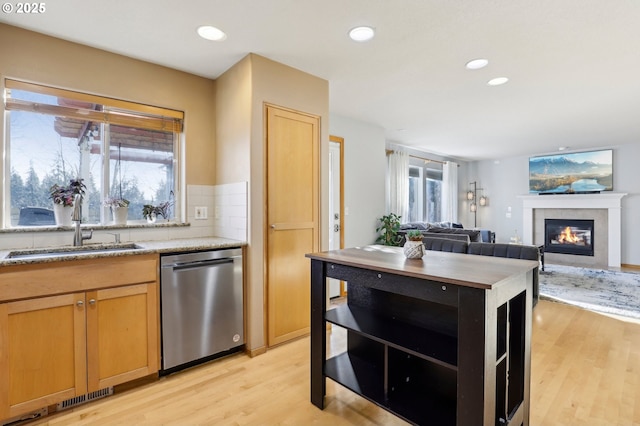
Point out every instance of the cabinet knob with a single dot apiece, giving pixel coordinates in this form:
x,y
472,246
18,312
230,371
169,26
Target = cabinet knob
x,y
80,303
92,301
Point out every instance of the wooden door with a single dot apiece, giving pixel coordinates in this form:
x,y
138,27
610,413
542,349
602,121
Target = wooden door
x,y
292,218
42,352
122,334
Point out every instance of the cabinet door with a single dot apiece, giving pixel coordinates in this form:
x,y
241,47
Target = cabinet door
x,y
122,334
42,352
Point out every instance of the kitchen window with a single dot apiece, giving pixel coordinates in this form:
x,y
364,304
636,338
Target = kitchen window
x,y
120,149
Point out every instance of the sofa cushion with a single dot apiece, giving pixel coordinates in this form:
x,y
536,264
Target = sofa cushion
x,y
426,234
426,225
441,235
512,251
487,236
474,235
445,244
446,225
414,225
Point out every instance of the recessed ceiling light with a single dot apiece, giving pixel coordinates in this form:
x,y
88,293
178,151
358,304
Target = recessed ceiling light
x,y
476,64
563,148
211,33
361,33
497,81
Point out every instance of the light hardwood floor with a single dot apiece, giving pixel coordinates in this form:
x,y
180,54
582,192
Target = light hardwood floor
x,y
585,371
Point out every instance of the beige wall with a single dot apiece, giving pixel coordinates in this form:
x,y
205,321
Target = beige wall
x,y
233,118
235,101
257,80
37,58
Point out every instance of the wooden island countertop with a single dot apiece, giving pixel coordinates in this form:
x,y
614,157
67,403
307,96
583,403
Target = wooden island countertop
x,y
453,268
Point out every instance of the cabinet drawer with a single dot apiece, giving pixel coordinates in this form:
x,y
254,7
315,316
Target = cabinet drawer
x,y
43,279
434,291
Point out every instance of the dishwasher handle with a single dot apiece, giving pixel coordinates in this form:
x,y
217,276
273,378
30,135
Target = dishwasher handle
x,y
198,264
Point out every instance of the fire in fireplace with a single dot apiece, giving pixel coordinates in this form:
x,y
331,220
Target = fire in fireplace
x,y
568,236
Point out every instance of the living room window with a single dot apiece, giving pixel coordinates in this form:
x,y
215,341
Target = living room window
x,y
120,149
425,191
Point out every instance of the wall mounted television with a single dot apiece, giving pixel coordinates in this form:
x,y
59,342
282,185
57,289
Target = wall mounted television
x,y
576,172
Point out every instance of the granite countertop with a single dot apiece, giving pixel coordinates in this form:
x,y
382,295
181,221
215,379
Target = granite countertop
x,y
91,251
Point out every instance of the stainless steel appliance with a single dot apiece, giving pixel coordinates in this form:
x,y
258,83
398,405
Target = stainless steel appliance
x,y
201,303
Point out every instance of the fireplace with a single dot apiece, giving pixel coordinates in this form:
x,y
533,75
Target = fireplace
x,y
604,208
569,236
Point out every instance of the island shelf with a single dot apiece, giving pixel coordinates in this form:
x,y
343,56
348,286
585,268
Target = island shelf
x,y
436,341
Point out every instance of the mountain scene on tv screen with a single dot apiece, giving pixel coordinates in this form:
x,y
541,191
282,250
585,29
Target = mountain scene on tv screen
x,y
560,174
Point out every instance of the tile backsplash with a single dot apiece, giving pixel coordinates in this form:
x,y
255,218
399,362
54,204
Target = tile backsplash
x,y
226,208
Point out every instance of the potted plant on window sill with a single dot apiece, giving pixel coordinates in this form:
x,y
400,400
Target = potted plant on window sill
x,y
62,197
119,209
151,212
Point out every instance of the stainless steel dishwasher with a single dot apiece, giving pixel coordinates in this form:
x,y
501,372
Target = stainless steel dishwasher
x,y
201,304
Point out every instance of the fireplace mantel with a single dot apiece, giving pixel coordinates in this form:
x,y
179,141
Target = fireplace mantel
x,y
611,201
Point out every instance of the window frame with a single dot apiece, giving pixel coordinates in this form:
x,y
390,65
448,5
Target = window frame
x,y
426,171
118,112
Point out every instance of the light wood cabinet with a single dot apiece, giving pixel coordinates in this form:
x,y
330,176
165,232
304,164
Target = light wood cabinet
x,y
57,347
43,352
122,339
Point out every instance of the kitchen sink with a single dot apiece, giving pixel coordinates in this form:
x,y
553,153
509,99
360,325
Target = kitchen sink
x,y
71,251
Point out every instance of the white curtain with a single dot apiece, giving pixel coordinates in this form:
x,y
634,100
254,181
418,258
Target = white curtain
x,y
398,184
450,192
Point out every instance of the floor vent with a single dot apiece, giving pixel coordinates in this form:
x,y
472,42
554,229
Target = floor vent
x,y
77,400
25,417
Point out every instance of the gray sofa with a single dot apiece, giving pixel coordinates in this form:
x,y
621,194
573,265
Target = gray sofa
x,y
448,230
511,251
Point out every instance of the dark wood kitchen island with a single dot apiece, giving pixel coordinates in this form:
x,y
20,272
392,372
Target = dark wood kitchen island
x,y
442,340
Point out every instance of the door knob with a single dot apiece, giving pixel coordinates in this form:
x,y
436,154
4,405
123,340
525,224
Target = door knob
x,y
80,303
92,301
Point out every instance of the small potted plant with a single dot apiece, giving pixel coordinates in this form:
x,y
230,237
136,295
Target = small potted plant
x,y
413,247
62,197
151,212
119,209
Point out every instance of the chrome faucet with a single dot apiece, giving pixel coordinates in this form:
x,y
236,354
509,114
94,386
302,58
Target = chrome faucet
x,y
78,235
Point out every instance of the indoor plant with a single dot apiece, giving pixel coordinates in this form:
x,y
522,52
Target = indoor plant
x,y
414,235
119,209
388,229
150,212
62,197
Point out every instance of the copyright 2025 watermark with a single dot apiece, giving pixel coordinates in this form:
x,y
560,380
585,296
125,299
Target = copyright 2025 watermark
x,y
24,8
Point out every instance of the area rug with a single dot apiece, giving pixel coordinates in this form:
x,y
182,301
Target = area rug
x,y
594,289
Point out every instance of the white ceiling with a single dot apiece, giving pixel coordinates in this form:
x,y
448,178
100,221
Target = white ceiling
x,y
573,65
